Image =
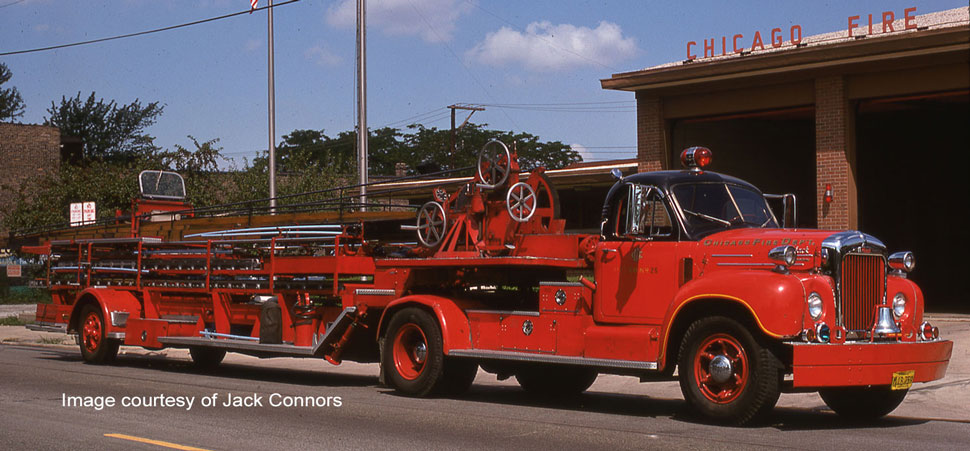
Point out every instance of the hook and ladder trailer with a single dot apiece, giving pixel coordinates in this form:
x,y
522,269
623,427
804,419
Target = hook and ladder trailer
x,y
691,277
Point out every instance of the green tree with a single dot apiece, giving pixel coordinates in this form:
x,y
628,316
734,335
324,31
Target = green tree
x,y
109,132
204,184
11,104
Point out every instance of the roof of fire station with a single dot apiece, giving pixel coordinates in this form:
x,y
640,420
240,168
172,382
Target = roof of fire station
x,y
939,39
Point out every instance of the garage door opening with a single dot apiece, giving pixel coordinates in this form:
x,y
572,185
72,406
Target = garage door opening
x,y
774,150
913,186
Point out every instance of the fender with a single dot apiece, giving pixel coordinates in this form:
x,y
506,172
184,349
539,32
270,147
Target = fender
x,y
455,330
913,316
775,301
110,301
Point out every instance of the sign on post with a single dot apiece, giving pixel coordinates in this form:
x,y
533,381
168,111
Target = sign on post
x,y
88,213
76,214
83,213
14,271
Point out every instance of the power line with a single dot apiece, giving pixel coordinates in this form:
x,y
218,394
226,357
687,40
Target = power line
x,y
462,63
11,3
141,33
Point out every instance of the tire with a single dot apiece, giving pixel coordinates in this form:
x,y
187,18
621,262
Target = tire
x,y
205,358
862,403
96,347
744,385
555,381
412,359
458,378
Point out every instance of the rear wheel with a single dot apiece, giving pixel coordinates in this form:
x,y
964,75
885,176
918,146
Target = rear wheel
x,y
725,375
205,358
549,381
96,347
862,403
412,358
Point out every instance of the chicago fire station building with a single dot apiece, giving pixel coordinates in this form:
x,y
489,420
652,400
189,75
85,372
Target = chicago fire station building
x,y
869,126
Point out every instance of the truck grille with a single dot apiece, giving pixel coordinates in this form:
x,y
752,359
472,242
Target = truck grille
x,y
863,286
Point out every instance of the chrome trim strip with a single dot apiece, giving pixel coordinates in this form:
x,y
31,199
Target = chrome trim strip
x,y
744,264
564,360
560,284
733,255
374,292
505,312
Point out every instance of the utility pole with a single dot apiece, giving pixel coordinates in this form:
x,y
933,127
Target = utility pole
x,y
362,100
272,117
454,131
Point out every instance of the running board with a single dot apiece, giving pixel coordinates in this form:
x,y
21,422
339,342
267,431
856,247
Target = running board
x,y
555,359
48,327
231,344
337,328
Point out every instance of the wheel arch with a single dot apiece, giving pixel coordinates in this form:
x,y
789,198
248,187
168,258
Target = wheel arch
x,y
108,301
455,328
699,307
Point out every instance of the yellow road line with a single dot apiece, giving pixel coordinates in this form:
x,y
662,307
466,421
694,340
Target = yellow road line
x,y
155,442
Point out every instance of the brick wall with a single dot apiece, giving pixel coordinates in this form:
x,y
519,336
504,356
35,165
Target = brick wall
x,y
27,152
834,153
651,134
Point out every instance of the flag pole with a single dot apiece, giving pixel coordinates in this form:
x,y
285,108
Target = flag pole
x,y
362,100
272,116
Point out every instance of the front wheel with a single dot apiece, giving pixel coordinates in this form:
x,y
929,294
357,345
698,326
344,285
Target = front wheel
x,y
96,347
862,403
725,375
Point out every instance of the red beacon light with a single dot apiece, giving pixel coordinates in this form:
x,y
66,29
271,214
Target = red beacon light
x,y
695,158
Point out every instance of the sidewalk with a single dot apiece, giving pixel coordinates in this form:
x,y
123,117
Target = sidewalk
x,y
946,399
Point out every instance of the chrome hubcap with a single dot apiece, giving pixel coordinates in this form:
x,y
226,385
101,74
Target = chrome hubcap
x,y
420,352
721,369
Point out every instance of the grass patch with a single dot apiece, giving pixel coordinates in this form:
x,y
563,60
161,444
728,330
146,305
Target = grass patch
x,y
51,340
11,321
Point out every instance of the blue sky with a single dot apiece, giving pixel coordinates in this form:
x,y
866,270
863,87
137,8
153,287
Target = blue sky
x,y
423,55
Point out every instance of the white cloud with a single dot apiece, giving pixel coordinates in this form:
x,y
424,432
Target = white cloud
x,y
582,151
545,47
433,20
322,56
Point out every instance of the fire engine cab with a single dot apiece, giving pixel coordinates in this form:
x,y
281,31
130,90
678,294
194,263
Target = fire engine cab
x,y
692,277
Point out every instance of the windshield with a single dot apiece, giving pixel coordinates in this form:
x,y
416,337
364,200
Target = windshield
x,y
161,185
712,207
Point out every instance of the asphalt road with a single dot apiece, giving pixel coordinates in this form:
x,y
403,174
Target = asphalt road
x,y
36,381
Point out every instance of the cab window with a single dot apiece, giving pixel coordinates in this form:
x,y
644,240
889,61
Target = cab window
x,y
642,214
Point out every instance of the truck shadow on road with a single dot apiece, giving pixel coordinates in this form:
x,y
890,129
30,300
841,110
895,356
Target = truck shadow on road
x,y
781,419
236,371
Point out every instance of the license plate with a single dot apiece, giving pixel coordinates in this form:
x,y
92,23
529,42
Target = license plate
x,y
903,379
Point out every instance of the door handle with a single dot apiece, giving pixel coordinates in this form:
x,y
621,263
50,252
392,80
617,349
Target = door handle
x,y
607,249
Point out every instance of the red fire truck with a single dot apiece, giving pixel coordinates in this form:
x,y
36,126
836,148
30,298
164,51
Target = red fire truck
x,y
692,277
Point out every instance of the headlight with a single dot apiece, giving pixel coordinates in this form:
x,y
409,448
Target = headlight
x,y
899,304
904,261
785,255
815,306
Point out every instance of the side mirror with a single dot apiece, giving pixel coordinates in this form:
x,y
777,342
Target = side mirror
x,y
789,208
